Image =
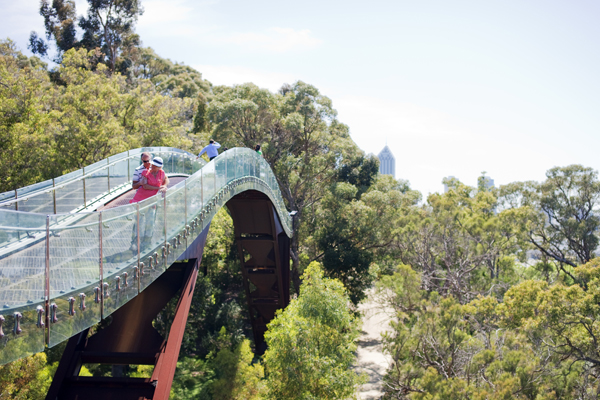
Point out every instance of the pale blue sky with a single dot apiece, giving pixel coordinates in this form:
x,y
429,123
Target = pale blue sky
x,y
455,87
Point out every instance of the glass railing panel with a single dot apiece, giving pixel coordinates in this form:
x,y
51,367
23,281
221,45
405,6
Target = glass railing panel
x,y
220,171
170,162
239,163
263,170
248,170
96,185
5,196
231,165
32,188
69,176
178,163
74,279
152,239
194,196
176,221
208,181
133,164
116,157
119,173
96,165
69,196
159,236
30,338
136,153
22,283
119,256
42,202
22,258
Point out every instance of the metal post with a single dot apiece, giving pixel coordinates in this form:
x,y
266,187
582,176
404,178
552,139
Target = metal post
x,y
165,228
128,167
108,173
16,201
54,194
47,282
137,207
185,223
101,266
84,194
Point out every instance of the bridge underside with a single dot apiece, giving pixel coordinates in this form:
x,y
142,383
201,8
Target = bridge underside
x,y
130,339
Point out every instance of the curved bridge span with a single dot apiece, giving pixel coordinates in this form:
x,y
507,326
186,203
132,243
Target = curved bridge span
x,y
74,252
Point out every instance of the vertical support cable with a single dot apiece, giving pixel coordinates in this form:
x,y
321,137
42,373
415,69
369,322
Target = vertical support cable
x,y
101,251
47,281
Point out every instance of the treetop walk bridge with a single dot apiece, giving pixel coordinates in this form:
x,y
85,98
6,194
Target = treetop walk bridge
x,y
74,252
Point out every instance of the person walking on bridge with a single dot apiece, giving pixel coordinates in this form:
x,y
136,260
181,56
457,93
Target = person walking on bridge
x,y
211,150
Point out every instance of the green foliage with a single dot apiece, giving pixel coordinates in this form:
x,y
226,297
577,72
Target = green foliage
x,y
193,379
352,225
26,379
236,376
311,343
560,220
49,129
539,343
461,244
25,96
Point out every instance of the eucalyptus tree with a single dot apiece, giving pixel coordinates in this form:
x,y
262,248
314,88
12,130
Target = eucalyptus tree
x,y
302,141
108,26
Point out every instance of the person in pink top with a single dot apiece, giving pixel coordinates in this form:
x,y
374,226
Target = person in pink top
x,y
152,181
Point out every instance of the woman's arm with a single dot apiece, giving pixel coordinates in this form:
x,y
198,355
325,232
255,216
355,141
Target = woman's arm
x,y
163,187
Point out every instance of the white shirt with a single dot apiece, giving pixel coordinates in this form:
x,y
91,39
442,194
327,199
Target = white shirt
x,y
211,150
137,173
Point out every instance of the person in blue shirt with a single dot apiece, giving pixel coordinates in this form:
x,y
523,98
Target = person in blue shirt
x,y
210,150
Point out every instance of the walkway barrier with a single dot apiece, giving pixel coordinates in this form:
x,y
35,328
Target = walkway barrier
x,y
64,267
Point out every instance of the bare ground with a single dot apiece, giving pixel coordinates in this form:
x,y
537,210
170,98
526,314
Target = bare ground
x,y
370,357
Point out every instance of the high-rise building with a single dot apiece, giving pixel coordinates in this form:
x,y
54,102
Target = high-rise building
x,y
449,178
387,162
488,182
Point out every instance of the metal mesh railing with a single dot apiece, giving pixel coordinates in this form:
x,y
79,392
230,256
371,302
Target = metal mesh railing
x,y
63,272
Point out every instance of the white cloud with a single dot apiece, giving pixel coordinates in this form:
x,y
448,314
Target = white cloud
x,y
277,40
231,75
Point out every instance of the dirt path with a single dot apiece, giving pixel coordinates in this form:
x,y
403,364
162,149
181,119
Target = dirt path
x,y
371,359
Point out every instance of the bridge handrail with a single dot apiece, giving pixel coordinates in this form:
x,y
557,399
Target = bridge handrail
x,y
120,167
70,270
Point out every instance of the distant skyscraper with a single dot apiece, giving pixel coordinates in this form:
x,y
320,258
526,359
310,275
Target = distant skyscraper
x,y
387,162
446,188
488,182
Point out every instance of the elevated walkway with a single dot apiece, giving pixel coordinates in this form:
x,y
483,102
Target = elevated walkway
x,y
73,250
